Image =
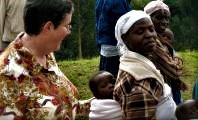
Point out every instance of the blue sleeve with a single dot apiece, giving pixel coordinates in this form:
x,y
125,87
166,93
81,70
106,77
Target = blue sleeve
x,y
119,7
195,90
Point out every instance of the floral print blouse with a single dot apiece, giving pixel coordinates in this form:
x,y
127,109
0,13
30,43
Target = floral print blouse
x,y
28,91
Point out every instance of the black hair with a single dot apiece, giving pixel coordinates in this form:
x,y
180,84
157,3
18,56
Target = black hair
x,y
38,12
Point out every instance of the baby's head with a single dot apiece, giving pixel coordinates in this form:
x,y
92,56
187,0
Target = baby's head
x,y
168,35
102,85
187,110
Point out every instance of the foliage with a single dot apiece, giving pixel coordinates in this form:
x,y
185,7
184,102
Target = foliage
x,y
79,72
190,71
69,48
139,4
182,24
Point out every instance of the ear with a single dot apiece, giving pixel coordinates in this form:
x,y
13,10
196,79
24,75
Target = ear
x,y
48,26
124,38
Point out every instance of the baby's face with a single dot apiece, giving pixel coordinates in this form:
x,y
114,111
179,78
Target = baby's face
x,y
188,110
167,36
106,86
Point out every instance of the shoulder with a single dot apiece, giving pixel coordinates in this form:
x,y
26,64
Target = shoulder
x,y
127,83
4,55
124,74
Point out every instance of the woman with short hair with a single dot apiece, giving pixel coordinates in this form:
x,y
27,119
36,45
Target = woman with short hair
x,y
32,87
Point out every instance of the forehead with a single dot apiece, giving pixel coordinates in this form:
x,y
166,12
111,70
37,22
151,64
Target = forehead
x,y
161,12
144,22
103,76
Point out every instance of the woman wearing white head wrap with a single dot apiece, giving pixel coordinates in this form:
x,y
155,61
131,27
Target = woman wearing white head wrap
x,y
153,6
163,57
139,86
156,8
123,25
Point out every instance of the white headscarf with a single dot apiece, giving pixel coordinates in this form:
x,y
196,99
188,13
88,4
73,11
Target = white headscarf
x,y
153,6
124,23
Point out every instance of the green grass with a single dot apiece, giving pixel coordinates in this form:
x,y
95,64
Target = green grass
x,y
80,71
190,71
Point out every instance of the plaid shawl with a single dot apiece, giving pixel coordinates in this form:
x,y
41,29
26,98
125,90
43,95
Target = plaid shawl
x,y
169,65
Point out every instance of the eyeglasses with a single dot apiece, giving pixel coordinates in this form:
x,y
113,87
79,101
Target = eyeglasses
x,y
69,27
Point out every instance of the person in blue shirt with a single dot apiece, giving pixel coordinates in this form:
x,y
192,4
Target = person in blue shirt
x,y
107,14
195,90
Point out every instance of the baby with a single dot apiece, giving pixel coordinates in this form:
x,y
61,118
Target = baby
x,y
168,35
187,110
103,107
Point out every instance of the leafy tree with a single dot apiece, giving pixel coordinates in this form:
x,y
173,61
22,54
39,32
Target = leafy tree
x,y
139,4
81,43
182,24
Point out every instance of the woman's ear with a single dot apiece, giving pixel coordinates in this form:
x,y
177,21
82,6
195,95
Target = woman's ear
x,y
124,38
48,26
